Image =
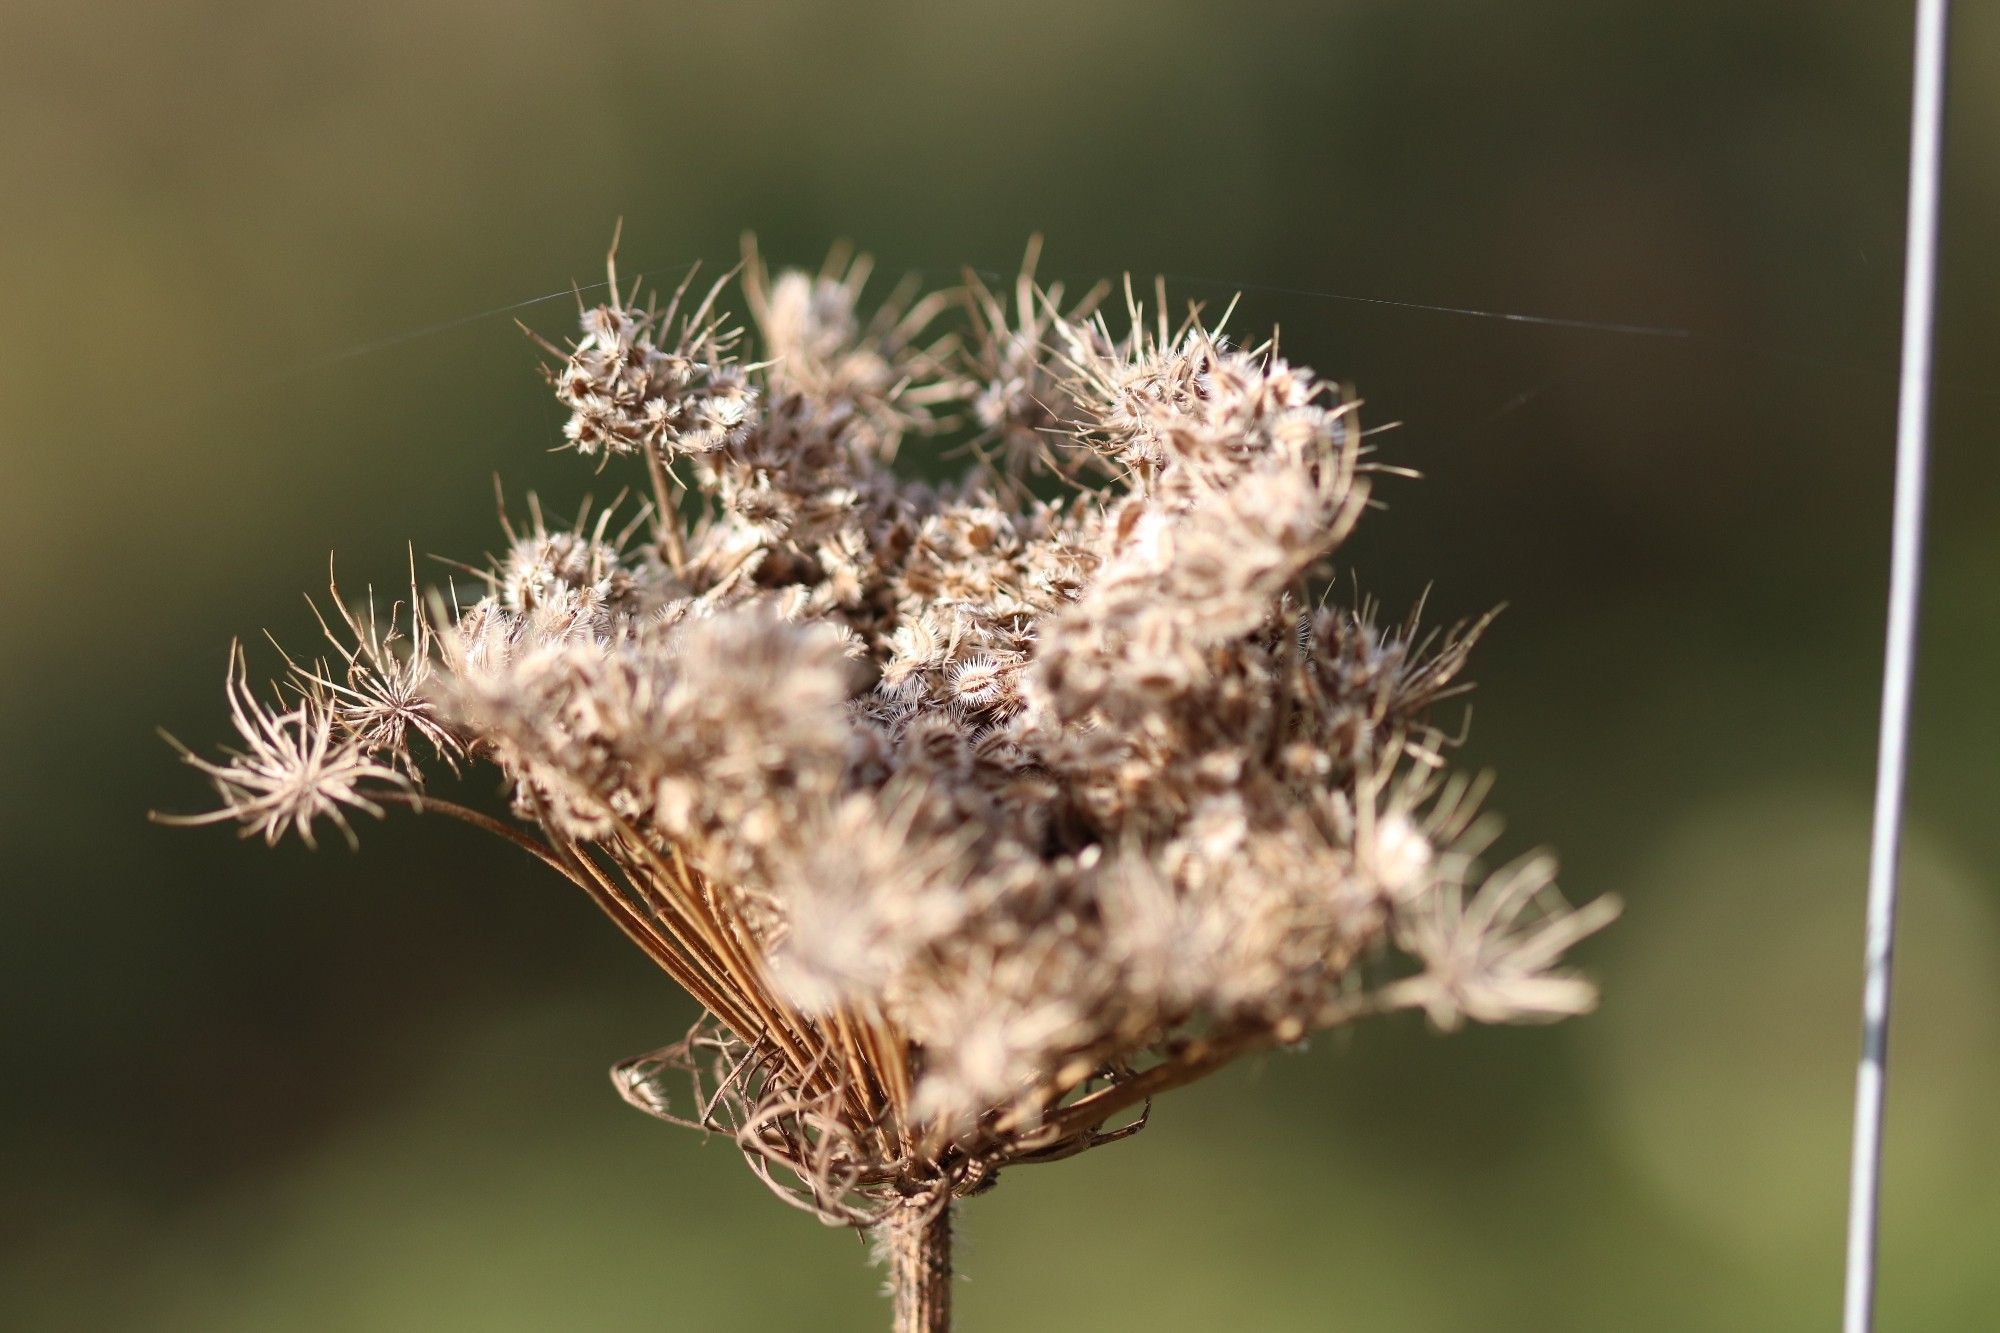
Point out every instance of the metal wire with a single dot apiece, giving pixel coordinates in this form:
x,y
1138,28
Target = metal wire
x,y
1899,656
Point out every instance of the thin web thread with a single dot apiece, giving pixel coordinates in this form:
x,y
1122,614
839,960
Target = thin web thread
x,y
1899,657
1612,327
1512,404
388,341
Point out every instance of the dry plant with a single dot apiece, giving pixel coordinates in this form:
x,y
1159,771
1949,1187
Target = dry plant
x,y
975,815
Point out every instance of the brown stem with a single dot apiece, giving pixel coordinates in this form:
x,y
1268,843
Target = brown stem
x,y
918,1242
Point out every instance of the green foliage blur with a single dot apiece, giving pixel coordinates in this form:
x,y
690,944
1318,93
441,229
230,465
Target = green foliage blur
x,y
240,251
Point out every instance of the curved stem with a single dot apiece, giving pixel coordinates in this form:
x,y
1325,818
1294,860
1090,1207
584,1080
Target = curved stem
x,y
541,851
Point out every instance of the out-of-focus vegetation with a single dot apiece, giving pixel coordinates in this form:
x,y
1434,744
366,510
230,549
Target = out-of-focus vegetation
x,y
278,1090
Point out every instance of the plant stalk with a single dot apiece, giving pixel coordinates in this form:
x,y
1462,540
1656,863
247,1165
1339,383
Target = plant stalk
x,y
919,1250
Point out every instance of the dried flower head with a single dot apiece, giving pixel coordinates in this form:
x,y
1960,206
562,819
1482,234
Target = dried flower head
x,y
300,763
974,814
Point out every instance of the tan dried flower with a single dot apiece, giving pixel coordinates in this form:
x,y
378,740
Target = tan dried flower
x,y
297,766
974,819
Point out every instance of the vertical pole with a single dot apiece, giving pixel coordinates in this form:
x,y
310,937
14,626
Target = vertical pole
x,y
1899,657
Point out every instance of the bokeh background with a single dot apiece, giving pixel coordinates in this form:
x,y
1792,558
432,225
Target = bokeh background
x,y
241,252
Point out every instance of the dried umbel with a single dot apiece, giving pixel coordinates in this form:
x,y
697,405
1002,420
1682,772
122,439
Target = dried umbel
x,y
975,814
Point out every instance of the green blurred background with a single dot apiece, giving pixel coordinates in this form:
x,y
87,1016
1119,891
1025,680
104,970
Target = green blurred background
x,y
250,1090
